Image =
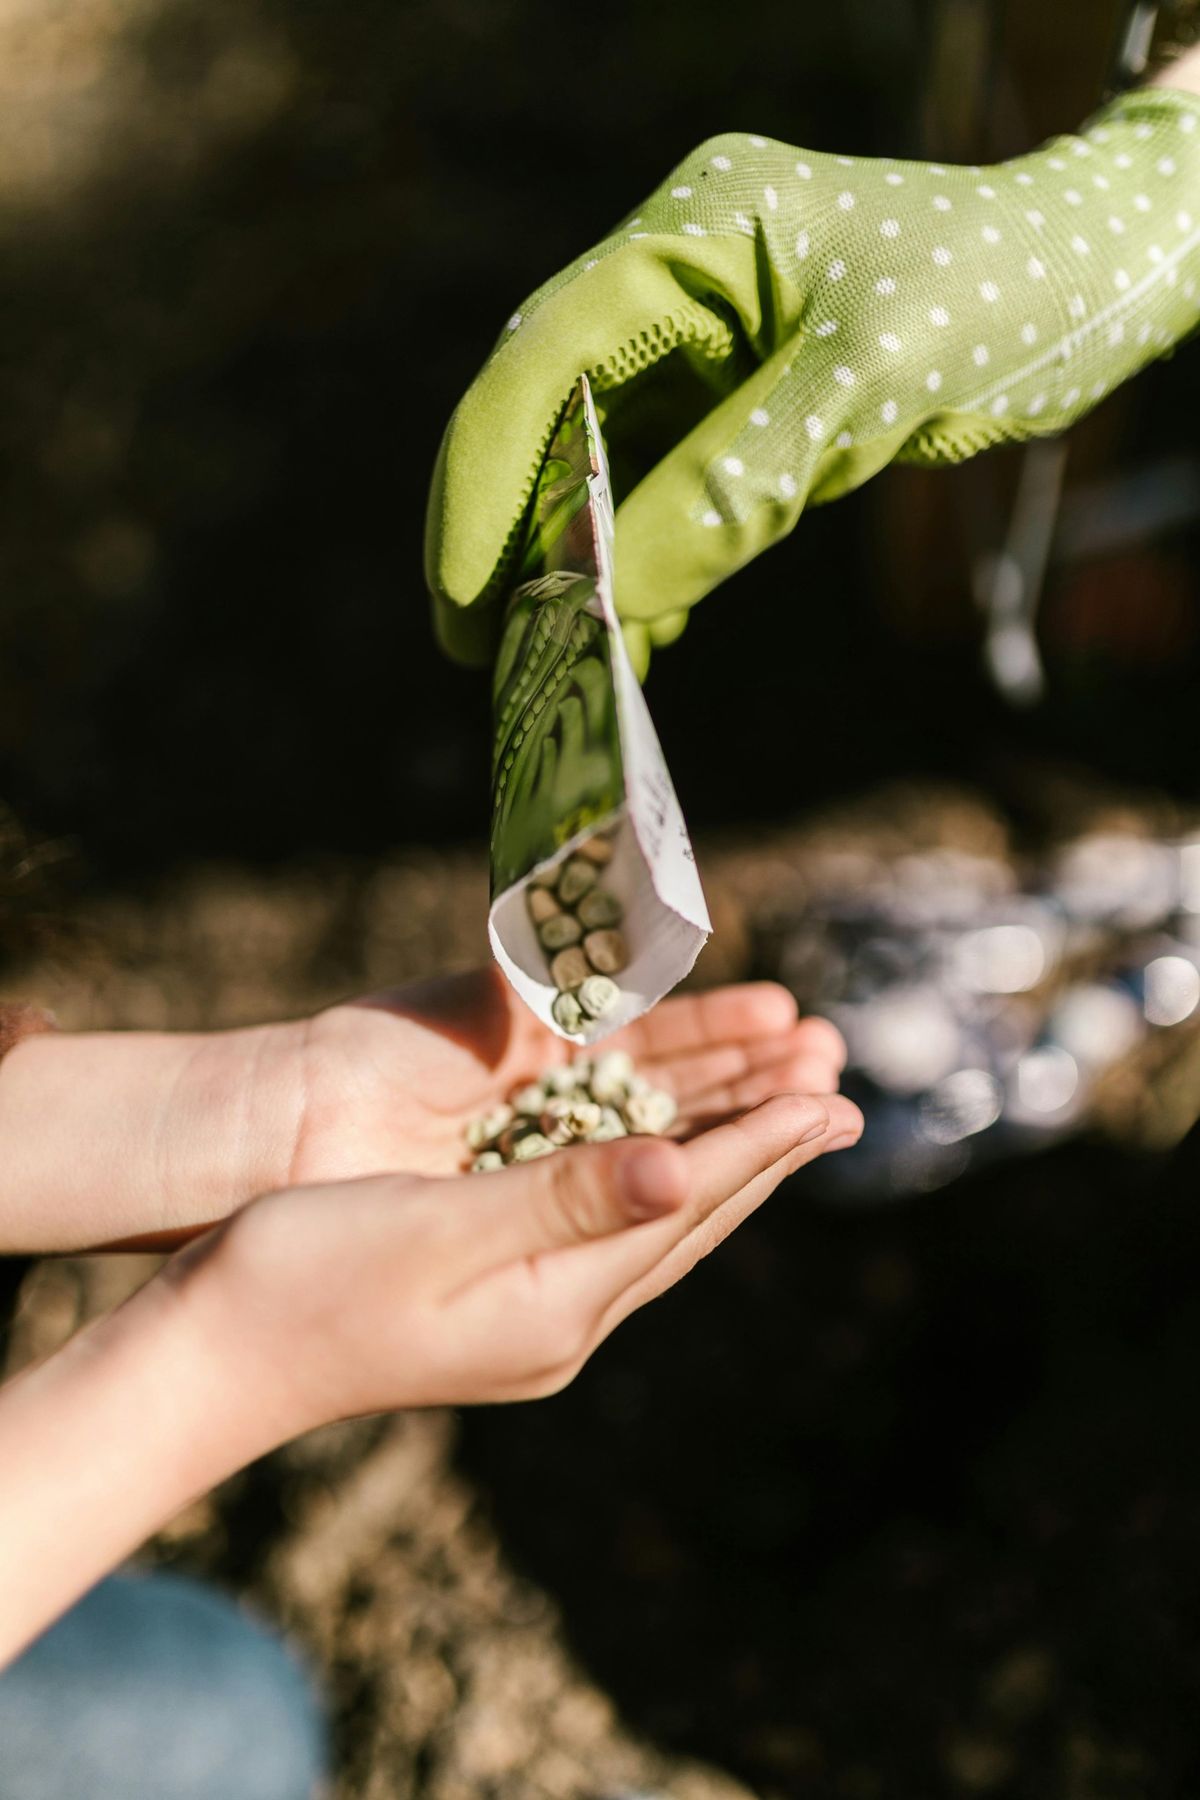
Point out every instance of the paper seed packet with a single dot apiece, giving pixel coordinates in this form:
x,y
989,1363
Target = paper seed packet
x,y
575,755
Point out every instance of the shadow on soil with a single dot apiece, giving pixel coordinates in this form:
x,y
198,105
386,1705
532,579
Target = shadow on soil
x,y
896,1502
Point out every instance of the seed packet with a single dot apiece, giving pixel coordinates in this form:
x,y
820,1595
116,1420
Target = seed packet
x,y
582,803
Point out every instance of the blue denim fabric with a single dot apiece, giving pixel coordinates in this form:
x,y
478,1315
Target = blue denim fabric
x,y
156,1688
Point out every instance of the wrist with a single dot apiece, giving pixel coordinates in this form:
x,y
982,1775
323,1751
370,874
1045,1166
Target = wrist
x,y
140,1139
227,1284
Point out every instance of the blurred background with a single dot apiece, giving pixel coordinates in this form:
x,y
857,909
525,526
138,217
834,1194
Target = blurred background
x,y
897,1497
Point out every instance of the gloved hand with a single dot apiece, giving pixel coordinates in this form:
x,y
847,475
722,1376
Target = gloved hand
x,y
775,326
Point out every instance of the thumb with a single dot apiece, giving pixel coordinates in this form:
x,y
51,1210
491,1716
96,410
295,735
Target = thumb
x,y
557,1202
616,318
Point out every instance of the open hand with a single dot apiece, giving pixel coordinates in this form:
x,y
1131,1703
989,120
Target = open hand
x,y
408,1290
390,1082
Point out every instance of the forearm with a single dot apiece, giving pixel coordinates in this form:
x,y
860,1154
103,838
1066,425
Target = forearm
x,y
139,1138
105,1442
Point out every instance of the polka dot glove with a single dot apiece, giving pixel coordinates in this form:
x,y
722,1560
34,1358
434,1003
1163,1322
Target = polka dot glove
x,y
775,326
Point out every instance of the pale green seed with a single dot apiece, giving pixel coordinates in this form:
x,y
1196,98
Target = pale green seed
x,y
564,1078
568,1014
533,1144
598,995
651,1113
560,932
487,1159
600,909
611,1125
609,1076
579,1117
487,1128
577,877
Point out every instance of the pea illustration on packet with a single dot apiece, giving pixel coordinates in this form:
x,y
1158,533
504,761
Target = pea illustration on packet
x,y
597,909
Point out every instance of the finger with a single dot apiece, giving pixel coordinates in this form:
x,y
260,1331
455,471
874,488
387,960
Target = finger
x,y
582,1294
497,439
689,1075
583,1291
718,1164
737,484
562,1201
794,1075
651,1279
723,1160
691,1022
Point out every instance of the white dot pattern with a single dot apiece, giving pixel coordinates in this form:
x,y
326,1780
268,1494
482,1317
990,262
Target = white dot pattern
x,y
927,296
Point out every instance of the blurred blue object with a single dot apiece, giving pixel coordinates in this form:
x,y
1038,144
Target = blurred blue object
x,y
156,1688
983,1005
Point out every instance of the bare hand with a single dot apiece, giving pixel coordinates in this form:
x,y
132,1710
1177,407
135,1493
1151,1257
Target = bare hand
x,y
390,1082
416,1290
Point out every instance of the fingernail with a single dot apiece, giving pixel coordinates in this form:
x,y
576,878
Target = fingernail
x,y
649,1182
813,1129
844,1140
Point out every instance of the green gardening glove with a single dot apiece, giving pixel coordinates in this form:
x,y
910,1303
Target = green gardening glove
x,y
775,326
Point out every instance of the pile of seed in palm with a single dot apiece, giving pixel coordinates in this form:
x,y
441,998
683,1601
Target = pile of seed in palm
x,y
584,1102
577,921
